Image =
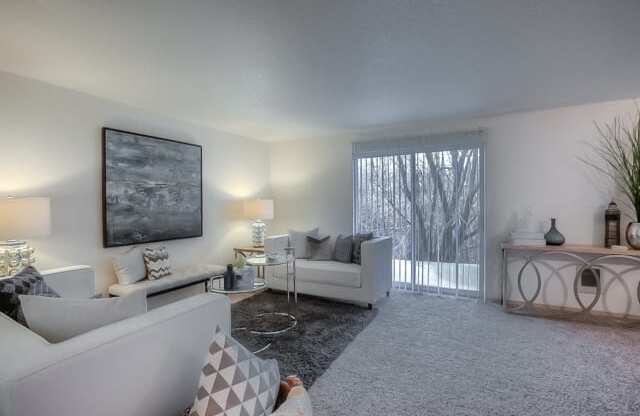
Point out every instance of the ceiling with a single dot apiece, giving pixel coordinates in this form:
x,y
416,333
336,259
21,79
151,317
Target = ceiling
x,y
290,69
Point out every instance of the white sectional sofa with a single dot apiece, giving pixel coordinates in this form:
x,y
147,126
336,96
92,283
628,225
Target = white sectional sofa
x,y
364,283
147,365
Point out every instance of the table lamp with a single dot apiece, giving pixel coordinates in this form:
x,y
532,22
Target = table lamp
x,y
21,218
258,210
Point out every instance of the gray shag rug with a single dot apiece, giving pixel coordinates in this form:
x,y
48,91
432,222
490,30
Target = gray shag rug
x,y
324,330
425,355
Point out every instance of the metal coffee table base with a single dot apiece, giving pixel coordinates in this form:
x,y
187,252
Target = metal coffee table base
x,y
293,322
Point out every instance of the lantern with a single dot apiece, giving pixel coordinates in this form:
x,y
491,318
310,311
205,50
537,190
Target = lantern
x,y
612,225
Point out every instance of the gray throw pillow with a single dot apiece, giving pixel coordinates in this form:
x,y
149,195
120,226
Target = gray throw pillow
x,y
298,240
343,249
356,256
235,382
156,261
26,282
320,248
59,319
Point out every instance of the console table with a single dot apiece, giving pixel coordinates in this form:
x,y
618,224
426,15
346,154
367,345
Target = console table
x,y
584,255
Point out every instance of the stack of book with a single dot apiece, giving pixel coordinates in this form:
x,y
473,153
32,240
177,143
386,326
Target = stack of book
x,y
527,238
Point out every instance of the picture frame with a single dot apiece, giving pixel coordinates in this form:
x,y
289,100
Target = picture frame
x,y
151,189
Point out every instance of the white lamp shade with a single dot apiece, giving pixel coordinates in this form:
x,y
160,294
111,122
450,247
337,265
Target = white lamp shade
x,y
24,218
258,209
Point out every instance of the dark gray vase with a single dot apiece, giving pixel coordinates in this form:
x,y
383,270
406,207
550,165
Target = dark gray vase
x,y
553,237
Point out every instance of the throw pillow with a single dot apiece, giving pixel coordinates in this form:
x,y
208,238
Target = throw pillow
x,y
357,243
129,267
235,382
58,319
156,261
320,248
297,404
343,249
26,282
298,240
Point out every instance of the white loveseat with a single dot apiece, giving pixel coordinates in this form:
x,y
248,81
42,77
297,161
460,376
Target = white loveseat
x,y
147,365
364,283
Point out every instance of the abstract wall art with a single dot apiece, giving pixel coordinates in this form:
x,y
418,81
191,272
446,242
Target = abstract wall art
x,y
151,188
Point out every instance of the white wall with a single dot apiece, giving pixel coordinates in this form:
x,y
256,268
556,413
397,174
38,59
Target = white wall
x,y
50,146
531,162
50,141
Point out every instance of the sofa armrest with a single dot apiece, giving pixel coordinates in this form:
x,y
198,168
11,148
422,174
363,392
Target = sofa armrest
x,y
377,269
276,243
153,359
72,281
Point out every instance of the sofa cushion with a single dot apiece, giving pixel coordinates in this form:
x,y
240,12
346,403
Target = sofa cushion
x,y
58,319
235,382
328,272
298,240
178,278
27,282
129,267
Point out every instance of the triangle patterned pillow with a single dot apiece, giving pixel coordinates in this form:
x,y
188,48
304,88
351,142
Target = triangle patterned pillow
x,y
156,260
235,382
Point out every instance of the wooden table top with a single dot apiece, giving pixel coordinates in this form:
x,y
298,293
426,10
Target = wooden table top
x,y
250,249
573,248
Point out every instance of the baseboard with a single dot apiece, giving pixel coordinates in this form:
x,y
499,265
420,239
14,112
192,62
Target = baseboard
x,y
557,310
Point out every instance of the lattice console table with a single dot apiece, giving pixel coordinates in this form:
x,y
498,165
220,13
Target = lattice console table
x,y
585,256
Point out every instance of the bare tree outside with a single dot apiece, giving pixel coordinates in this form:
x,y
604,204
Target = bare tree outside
x,y
430,204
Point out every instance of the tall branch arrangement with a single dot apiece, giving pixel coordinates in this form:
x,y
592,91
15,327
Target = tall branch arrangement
x,y
619,150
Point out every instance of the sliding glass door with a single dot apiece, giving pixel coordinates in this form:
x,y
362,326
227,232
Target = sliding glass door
x,y
430,201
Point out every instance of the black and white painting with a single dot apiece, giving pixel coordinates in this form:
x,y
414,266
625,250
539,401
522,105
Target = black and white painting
x,y
152,188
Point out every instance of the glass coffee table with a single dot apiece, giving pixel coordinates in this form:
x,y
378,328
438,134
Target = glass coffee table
x,y
264,320
216,285
287,259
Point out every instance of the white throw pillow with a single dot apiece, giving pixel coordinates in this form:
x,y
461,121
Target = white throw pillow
x,y
129,267
298,240
65,318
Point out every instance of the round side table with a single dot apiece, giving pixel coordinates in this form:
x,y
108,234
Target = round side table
x,y
263,261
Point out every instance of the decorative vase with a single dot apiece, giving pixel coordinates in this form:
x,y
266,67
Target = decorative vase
x,y
633,235
553,237
229,278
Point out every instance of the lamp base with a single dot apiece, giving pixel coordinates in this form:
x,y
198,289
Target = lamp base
x,y
258,233
15,256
